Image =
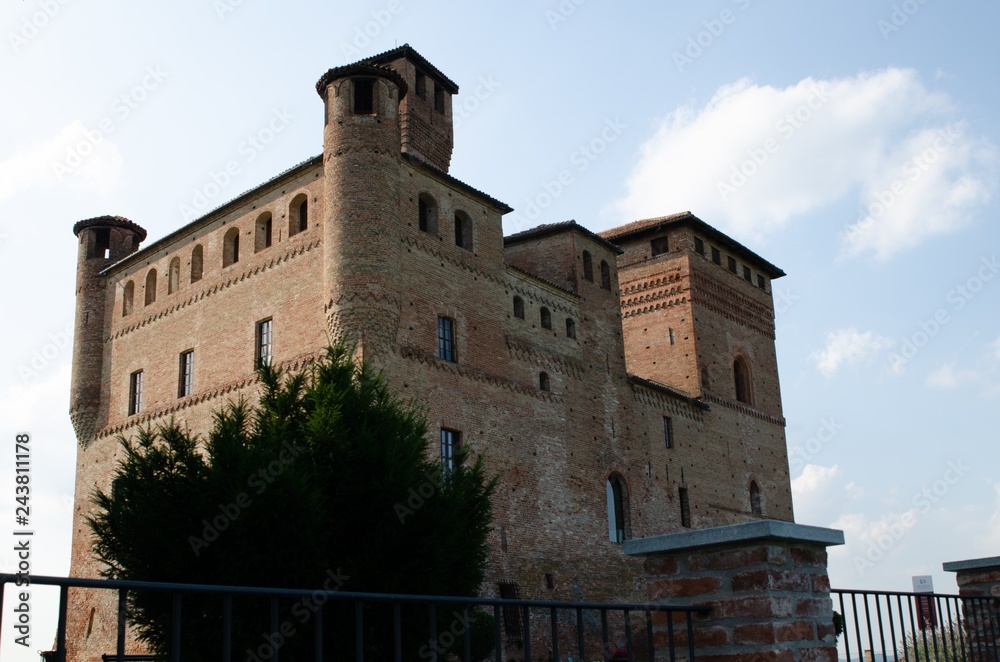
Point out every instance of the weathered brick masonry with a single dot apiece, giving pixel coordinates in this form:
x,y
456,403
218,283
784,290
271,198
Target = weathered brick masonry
x,y
372,242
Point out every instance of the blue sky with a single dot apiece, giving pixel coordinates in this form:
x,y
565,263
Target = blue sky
x,y
854,144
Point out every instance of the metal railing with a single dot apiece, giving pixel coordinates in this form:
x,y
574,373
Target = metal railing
x,y
889,626
374,626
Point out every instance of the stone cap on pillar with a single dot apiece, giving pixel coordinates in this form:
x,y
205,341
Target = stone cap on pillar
x,y
972,564
735,533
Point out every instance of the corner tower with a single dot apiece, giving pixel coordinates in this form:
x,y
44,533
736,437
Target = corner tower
x,y
361,158
102,242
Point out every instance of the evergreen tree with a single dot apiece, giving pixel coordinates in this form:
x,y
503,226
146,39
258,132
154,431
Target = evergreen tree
x,y
328,481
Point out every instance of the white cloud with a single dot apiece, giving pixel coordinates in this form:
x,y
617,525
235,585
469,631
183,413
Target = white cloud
x,y
814,478
96,165
848,346
756,157
946,377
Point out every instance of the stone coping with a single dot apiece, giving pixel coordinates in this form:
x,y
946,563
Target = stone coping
x,y
972,564
734,533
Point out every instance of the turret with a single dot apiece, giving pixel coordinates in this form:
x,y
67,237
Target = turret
x,y
102,241
361,156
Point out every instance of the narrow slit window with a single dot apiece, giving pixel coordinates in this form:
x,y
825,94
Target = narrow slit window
x,y
543,381
519,308
197,262
127,296
570,328
264,353
588,267
545,318
685,504
150,295
135,393
185,375
438,98
731,263
746,273
755,507
450,441
364,96
615,491
174,276
668,432
605,275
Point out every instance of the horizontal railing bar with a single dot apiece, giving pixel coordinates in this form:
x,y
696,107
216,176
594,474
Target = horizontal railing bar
x,y
85,582
906,593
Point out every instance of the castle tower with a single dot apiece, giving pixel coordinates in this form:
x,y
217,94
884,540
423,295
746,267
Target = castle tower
x,y
102,242
361,157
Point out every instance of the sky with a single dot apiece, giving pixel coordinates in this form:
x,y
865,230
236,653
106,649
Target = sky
x,y
853,143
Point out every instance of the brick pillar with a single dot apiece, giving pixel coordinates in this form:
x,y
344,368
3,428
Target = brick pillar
x,y
765,581
979,585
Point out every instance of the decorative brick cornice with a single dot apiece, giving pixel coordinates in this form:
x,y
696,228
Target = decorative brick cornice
x,y
663,400
539,356
476,374
743,408
719,299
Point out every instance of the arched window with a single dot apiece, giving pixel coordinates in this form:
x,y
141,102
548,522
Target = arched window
x,y
262,232
605,275
174,278
588,266
231,247
617,508
151,286
519,308
545,318
427,214
463,230
298,215
127,295
741,379
543,381
755,499
197,261
570,328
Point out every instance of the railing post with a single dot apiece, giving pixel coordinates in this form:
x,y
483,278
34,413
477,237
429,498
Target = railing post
x,y
979,586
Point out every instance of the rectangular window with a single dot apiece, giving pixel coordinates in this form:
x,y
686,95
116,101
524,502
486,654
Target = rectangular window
x,y
685,507
265,343
185,374
699,246
716,255
746,274
446,339
673,338
421,85
364,96
659,246
438,98
731,263
135,393
760,281
450,440
668,432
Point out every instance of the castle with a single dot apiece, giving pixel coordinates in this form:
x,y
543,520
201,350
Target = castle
x,y
622,384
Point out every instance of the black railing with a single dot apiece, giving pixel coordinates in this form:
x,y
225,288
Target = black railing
x,y
549,629
887,626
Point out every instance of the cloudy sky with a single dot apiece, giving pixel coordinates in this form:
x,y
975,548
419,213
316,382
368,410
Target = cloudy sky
x,y
854,144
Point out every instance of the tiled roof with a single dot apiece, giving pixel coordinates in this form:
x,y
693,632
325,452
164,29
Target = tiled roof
x,y
113,221
362,68
552,228
407,51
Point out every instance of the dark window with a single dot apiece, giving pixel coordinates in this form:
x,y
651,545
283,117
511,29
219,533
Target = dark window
x,y
446,339
438,98
755,499
135,393
421,85
427,213
174,276
605,275
741,378
543,381
303,215
197,261
616,495
185,375
262,234
463,231
570,328
519,308
545,318
512,615
265,343
298,214
716,255
682,493
102,244
127,296
731,262
450,440
231,247
746,273
699,246
151,287
670,335
364,96
588,267
704,378
659,246
668,432
760,282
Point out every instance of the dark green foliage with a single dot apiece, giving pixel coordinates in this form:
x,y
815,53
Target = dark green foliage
x,y
329,477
